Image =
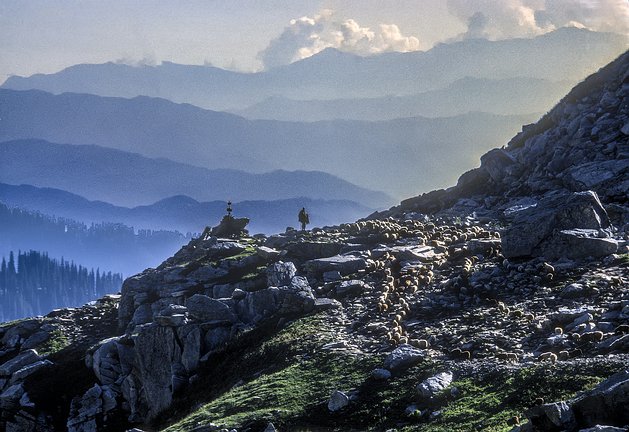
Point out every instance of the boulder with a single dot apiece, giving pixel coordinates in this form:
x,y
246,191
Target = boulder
x,y
600,428
433,385
533,231
10,397
280,274
351,288
35,340
154,353
344,264
204,308
23,359
403,357
338,401
497,163
380,374
230,227
606,404
28,370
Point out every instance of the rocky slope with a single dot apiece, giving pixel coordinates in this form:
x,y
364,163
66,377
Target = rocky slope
x,y
500,304
581,144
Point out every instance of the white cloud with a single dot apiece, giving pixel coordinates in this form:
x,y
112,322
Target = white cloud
x,y
306,36
503,19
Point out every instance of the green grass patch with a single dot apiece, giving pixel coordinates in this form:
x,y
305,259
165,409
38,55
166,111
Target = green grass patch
x,y
57,342
490,403
286,378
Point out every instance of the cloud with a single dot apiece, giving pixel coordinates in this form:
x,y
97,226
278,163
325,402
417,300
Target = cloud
x,y
503,19
306,36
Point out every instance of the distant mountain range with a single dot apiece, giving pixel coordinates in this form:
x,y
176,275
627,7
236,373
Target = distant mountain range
x,y
180,213
565,54
413,154
129,179
511,96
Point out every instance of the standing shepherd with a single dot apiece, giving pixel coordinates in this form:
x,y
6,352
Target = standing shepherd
x,y
303,218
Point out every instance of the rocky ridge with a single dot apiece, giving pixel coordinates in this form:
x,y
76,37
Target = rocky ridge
x,y
581,144
516,275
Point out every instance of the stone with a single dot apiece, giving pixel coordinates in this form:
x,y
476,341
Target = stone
x,y
497,164
204,308
351,288
174,309
35,340
154,352
190,338
574,290
217,337
332,276
28,370
338,401
267,253
270,428
381,374
280,274
403,357
10,397
531,231
322,303
23,359
600,428
606,403
230,227
344,264
238,294
578,244
175,320
433,385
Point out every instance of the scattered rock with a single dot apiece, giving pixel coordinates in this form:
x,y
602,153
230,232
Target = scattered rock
x,y
338,401
403,357
433,385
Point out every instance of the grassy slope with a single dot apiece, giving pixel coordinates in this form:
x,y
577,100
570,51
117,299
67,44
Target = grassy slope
x,y
287,379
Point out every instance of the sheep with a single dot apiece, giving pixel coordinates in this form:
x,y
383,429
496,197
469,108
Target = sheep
x,y
594,336
622,329
563,355
558,331
460,354
547,356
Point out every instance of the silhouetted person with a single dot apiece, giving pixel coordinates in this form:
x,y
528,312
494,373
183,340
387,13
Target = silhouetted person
x,y
303,218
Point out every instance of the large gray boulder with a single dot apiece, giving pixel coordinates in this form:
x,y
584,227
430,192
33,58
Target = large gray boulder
x,y
23,359
403,357
280,273
606,404
554,228
274,302
204,308
344,264
433,385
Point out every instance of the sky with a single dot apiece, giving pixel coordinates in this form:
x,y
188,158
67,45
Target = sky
x,y
43,36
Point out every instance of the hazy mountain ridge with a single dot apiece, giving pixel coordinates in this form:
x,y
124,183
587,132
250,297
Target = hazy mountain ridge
x,y
332,74
407,160
180,213
127,179
510,96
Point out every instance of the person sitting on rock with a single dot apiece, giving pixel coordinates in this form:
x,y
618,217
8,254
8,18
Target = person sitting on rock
x,y
303,218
